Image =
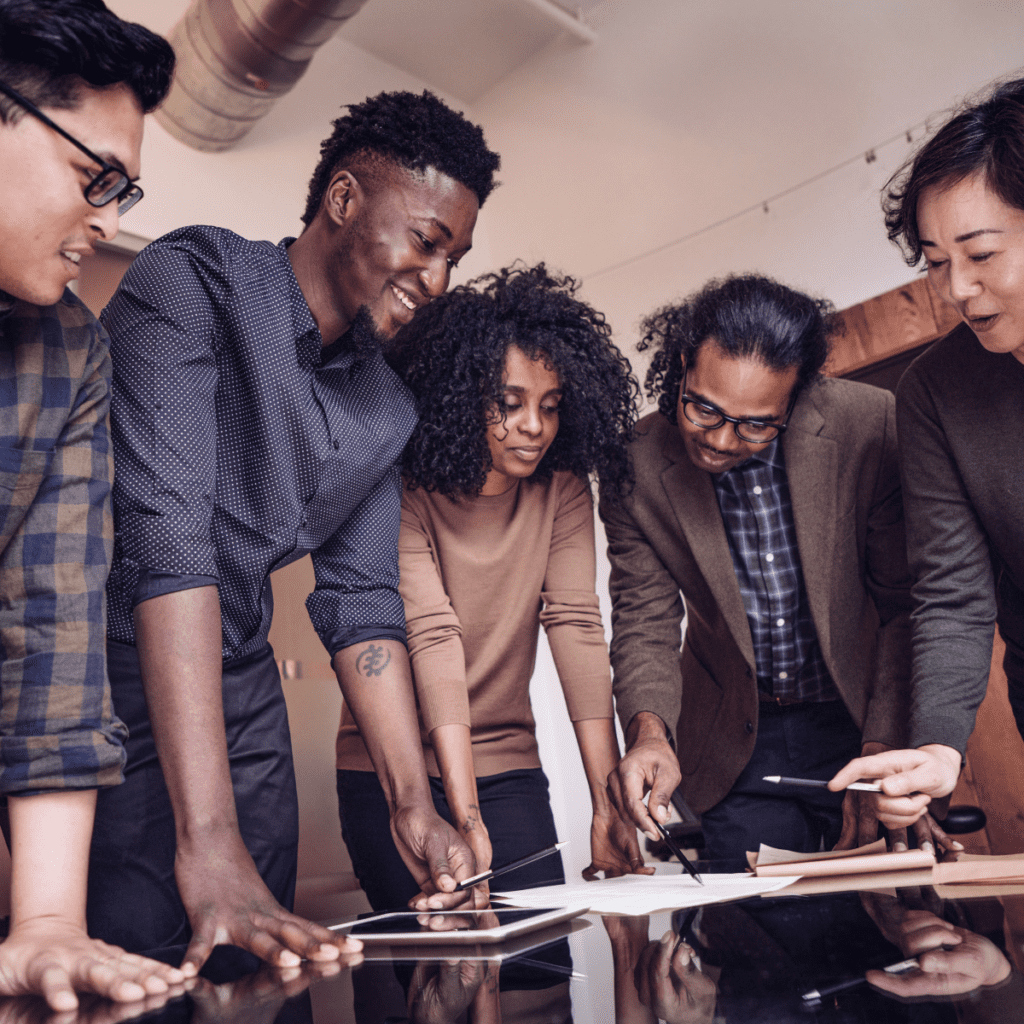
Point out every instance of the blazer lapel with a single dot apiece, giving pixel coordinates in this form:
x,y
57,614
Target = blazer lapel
x,y
812,468
692,497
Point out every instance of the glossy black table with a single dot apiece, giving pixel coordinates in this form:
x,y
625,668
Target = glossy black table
x,y
754,961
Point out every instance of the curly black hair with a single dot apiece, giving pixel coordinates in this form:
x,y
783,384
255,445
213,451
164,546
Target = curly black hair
x,y
986,137
49,47
749,316
452,357
414,132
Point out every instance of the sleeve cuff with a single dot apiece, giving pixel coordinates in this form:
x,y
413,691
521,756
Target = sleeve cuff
x,y
346,636
156,582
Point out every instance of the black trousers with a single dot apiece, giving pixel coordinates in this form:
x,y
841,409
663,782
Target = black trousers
x,y
133,898
810,741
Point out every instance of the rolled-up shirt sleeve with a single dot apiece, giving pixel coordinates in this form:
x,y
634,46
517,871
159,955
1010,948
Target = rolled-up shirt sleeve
x,y
356,597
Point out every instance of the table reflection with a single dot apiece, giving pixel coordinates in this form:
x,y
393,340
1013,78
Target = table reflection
x,y
749,961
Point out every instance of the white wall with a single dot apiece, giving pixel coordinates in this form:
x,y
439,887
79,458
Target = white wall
x,y
681,116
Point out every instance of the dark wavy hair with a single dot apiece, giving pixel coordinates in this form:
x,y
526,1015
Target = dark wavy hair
x,y
986,137
452,357
412,131
750,317
48,48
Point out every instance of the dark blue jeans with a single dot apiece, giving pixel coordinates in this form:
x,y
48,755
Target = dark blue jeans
x,y
133,897
810,741
514,807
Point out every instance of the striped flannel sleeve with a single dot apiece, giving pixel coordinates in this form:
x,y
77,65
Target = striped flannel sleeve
x,y
57,727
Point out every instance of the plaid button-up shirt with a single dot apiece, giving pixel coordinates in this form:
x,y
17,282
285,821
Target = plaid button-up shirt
x,y
57,727
758,515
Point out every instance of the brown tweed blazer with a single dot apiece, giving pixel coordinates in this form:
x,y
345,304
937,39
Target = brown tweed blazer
x,y
667,547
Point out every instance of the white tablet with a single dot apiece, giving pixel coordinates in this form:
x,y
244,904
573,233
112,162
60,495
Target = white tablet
x,y
453,926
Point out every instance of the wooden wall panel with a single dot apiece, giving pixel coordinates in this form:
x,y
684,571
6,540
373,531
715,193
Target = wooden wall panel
x,y
888,324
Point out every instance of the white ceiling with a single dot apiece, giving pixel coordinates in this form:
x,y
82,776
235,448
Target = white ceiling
x,y
460,47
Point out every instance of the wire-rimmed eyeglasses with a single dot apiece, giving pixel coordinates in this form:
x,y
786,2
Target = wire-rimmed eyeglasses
x,y
710,417
109,184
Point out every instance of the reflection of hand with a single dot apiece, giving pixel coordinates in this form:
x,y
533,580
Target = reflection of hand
x,y
92,1010
668,981
910,779
458,922
439,992
972,964
648,764
951,960
258,998
55,958
613,847
228,902
437,857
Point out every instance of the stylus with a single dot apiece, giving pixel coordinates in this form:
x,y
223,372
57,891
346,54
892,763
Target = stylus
x,y
674,847
864,787
484,876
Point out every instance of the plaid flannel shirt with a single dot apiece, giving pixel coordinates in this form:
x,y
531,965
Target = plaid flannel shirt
x,y
57,727
758,515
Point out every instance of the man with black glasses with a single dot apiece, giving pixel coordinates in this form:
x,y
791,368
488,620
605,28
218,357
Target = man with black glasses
x,y
767,506
75,82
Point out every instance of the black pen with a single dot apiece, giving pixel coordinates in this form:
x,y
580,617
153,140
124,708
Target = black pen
x,y
485,876
674,847
816,994
863,787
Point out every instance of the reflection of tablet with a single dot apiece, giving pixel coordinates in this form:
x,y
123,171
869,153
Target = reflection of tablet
x,y
495,952
453,926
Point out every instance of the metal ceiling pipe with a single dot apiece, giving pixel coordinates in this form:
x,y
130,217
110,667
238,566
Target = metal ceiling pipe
x,y
236,58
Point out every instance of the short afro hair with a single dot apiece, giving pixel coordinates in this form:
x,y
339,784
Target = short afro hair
x,y
750,317
412,131
49,48
452,357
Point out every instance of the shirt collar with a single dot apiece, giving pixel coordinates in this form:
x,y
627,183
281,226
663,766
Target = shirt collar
x,y
770,455
307,334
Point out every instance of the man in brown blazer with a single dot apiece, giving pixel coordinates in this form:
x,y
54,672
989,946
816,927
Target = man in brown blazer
x,y
767,504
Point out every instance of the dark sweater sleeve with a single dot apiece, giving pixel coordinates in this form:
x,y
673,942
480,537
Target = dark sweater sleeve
x,y
954,592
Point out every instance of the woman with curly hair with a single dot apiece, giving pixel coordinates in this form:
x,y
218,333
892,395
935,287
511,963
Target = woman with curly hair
x,y
522,396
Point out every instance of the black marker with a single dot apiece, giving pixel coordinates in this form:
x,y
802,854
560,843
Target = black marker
x,y
674,847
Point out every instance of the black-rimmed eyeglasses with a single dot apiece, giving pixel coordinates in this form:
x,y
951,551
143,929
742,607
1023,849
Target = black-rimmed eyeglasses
x,y
109,184
710,417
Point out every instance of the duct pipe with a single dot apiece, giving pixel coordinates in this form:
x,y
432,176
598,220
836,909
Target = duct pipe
x,y
236,58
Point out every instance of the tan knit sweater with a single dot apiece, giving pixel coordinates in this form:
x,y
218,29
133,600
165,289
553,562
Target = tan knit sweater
x,y
479,576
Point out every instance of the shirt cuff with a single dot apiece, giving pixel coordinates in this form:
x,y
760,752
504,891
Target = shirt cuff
x,y
156,582
346,636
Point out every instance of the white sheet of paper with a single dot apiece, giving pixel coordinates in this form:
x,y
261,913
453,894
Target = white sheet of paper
x,y
645,894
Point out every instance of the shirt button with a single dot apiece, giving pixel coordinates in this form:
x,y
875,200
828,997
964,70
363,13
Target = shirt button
x,y
757,490
337,444
783,675
769,558
780,622
749,727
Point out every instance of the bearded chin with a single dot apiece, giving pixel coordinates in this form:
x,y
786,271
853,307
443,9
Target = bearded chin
x,y
365,339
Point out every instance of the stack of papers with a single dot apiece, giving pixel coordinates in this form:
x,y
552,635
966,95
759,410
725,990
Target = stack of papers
x,y
645,894
973,867
769,862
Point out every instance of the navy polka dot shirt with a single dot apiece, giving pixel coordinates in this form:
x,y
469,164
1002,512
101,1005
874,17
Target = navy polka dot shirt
x,y
237,451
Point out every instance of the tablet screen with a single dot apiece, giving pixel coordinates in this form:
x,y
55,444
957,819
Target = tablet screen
x,y
410,922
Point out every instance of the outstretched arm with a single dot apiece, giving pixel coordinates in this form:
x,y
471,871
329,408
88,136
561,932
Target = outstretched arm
x,y
376,683
48,952
179,644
